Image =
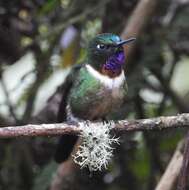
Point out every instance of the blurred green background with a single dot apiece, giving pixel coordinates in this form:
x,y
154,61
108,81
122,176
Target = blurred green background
x,y
41,40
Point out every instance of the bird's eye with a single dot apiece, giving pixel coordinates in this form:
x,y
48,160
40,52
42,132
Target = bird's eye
x,y
100,46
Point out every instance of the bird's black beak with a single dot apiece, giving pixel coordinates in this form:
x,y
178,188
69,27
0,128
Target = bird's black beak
x,y
125,41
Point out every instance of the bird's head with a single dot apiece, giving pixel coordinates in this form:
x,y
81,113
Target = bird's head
x,y
106,54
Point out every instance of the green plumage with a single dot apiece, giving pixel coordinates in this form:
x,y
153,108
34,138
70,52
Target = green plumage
x,y
90,99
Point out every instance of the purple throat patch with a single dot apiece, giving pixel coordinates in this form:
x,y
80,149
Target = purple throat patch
x,y
115,62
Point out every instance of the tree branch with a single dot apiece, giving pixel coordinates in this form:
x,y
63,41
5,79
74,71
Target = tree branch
x,y
183,176
168,180
137,22
158,123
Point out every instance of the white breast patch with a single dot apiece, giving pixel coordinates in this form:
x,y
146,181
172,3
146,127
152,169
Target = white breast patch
x,y
111,83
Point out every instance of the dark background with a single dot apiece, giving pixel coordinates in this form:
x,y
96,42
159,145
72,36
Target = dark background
x,y
35,58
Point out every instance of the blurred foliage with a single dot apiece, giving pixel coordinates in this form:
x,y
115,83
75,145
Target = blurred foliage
x,y
155,87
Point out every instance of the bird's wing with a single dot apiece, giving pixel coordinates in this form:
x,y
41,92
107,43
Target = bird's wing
x,y
66,87
66,142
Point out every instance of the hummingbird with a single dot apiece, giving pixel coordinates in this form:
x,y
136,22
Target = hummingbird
x,y
94,89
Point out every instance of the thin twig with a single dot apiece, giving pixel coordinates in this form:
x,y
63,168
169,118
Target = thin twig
x,y
172,10
77,18
122,126
8,101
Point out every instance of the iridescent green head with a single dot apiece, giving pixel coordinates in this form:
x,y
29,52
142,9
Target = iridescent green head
x,y
106,54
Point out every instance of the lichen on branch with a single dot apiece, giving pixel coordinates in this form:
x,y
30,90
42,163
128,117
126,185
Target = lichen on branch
x,y
96,149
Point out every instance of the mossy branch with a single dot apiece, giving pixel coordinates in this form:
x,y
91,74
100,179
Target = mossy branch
x,y
124,126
